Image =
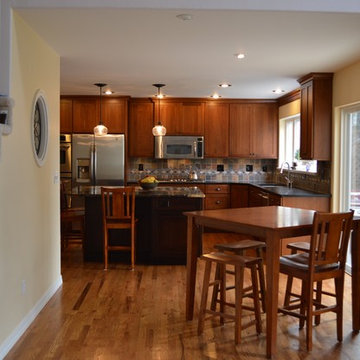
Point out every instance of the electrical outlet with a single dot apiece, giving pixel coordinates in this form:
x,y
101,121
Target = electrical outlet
x,y
264,168
23,287
249,168
141,167
56,177
220,167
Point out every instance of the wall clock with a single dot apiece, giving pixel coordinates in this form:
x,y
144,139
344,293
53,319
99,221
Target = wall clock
x,y
39,127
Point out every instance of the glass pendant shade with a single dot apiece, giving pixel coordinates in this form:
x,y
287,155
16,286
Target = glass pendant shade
x,y
100,129
159,129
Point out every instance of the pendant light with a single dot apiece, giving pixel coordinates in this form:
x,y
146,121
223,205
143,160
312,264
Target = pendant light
x,y
159,129
100,129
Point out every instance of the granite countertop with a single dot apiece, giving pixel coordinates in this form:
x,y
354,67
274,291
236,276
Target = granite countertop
x,y
189,191
284,191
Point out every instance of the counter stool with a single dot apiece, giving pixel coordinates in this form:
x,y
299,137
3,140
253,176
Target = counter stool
x,y
239,262
238,248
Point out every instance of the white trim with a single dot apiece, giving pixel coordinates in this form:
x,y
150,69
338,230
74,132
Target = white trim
x,y
6,346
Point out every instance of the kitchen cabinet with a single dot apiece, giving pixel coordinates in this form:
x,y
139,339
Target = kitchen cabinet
x,y
316,116
258,197
216,129
239,195
217,196
66,116
141,122
182,118
86,114
115,114
253,130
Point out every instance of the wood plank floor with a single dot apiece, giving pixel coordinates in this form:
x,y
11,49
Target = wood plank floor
x,y
120,314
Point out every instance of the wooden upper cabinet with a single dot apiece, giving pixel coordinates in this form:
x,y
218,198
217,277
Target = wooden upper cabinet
x,y
115,114
181,118
141,122
85,115
216,129
316,116
66,116
253,130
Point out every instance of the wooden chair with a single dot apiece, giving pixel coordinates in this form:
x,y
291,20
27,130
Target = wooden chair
x,y
324,260
118,212
239,248
239,262
71,218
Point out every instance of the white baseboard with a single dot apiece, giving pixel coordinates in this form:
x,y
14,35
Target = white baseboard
x,y
6,346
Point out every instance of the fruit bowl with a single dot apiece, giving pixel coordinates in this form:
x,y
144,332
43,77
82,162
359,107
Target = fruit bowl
x,y
148,186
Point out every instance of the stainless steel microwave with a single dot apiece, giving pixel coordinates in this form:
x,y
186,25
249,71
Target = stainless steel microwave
x,y
179,147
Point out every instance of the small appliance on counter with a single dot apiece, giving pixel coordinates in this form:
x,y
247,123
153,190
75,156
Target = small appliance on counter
x,y
98,160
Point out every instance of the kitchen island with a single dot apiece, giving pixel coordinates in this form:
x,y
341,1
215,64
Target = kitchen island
x,y
161,226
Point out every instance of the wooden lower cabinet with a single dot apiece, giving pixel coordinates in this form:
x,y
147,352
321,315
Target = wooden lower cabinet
x,y
239,196
217,196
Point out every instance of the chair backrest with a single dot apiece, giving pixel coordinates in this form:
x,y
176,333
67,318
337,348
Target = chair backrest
x,y
118,203
330,238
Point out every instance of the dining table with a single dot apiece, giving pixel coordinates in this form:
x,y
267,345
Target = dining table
x,y
269,224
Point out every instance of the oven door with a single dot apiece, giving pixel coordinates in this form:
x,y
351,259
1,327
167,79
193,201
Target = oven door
x,y
65,157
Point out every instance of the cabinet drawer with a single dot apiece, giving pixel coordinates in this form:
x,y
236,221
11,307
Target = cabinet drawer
x,y
217,189
213,202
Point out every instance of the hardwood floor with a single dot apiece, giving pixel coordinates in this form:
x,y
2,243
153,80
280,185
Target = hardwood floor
x,y
122,314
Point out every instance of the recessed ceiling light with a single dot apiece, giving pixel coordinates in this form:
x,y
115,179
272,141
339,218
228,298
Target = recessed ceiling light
x,y
278,91
215,96
184,17
225,85
240,55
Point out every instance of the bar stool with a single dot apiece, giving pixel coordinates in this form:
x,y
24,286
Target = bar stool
x,y
238,248
239,262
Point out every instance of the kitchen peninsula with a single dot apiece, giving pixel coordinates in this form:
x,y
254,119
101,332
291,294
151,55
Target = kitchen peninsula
x,y
161,226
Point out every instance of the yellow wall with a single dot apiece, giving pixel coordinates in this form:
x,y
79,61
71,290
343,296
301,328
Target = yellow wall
x,y
29,198
346,91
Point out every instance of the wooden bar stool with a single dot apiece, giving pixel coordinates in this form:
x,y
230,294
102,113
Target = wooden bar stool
x,y
238,248
239,263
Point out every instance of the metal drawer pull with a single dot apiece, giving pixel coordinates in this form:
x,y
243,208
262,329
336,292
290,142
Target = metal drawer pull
x,y
218,202
218,189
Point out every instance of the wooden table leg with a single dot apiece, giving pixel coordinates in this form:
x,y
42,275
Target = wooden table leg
x,y
272,291
355,278
191,262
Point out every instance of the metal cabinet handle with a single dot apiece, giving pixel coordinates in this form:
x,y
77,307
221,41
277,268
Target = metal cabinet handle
x,y
218,202
218,189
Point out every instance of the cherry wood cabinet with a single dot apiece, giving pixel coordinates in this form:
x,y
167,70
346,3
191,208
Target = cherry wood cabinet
x,y
66,116
253,130
80,114
141,122
216,129
85,115
239,195
181,117
316,116
217,196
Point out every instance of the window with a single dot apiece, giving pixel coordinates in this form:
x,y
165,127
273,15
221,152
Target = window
x,y
350,159
39,133
289,145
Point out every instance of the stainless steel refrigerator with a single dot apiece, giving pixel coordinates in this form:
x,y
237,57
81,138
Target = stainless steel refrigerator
x,y
98,160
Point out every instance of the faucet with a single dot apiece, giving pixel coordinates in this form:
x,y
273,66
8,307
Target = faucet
x,y
287,178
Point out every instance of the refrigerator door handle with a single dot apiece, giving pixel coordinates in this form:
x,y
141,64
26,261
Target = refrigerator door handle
x,y
93,164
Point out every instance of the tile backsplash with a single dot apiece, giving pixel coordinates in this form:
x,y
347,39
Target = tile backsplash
x,y
234,170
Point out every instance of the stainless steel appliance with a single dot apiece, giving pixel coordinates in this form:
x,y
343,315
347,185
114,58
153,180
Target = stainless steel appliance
x,y
179,147
65,155
98,160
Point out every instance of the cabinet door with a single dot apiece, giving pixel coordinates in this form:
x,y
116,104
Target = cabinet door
x,y
66,116
239,137
85,115
306,133
239,196
114,115
264,131
257,197
216,130
192,119
170,116
141,122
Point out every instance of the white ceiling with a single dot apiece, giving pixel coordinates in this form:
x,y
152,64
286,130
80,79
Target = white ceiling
x,y
132,44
